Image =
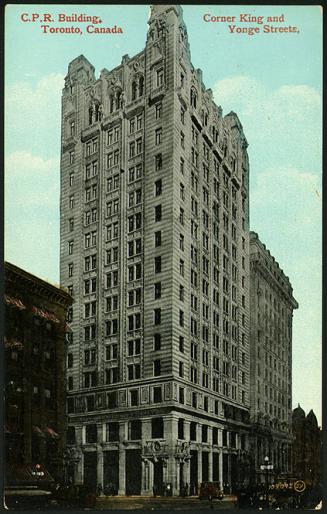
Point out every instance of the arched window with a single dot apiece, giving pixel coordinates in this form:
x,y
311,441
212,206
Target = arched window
x,y
97,112
90,114
111,103
141,86
118,99
134,90
193,98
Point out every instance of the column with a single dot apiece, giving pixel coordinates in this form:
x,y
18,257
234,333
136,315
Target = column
x,y
79,470
171,433
187,472
220,464
229,459
147,476
146,488
100,470
210,454
122,459
79,467
199,466
187,425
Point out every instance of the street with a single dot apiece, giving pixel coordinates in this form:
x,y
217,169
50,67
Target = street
x,y
163,503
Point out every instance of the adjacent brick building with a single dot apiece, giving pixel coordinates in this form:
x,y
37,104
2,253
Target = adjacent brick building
x,y
34,339
272,304
155,251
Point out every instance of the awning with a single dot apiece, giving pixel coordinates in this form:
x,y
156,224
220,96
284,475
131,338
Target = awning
x,y
51,433
45,314
13,343
27,474
10,300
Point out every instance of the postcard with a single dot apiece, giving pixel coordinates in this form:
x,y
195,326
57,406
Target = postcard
x,y
163,211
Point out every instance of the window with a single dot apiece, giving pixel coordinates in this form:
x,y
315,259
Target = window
x,y
182,140
157,428
181,293
157,238
112,431
134,430
157,342
139,118
181,165
204,433
158,162
157,290
157,264
158,136
158,108
111,327
133,371
181,369
157,368
157,316
181,216
91,433
70,247
181,318
89,356
181,395
157,394
193,430
158,213
182,114
89,379
159,77
158,187
134,347
72,128
181,267
181,344
70,269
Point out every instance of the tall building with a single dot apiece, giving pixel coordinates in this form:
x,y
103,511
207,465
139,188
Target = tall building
x,y
272,304
155,251
34,339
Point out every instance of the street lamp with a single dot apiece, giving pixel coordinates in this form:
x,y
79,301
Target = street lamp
x,y
266,459
266,467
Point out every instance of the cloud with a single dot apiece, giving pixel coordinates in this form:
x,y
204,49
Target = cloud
x,y
32,112
32,213
31,181
281,124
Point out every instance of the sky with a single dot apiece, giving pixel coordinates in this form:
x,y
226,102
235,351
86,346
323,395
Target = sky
x,y
273,81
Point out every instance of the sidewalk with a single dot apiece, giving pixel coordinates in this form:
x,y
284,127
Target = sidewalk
x,y
162,502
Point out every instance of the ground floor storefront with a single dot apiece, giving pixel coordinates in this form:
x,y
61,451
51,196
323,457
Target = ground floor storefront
x,y
168,455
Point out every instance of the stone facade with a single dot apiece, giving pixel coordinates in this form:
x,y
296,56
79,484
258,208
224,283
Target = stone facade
x,y
155,251
35,423
272,304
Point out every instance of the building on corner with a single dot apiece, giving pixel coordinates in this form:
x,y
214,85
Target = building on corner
x,y
155,251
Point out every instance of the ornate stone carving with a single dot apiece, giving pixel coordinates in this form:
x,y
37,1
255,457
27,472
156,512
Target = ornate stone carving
x,y
182,451
155,450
